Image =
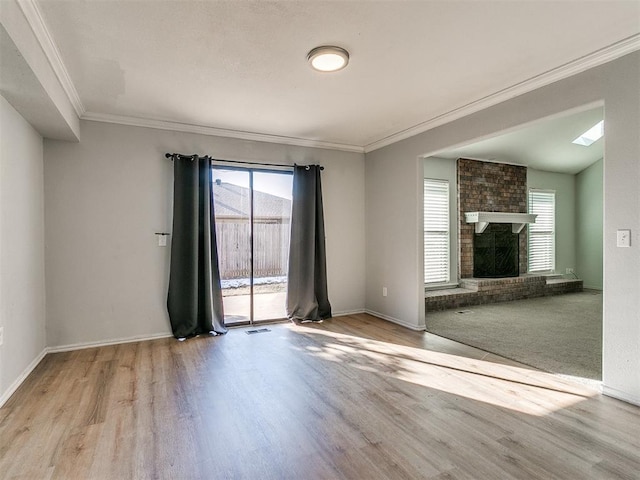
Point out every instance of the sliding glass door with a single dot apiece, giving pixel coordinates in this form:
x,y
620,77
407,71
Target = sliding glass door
x,y
252,214
271,229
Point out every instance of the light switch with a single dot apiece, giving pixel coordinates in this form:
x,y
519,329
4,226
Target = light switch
x,y
624,238
162,240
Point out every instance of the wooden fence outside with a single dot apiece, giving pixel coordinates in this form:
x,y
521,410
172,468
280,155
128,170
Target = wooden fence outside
x,y
271,247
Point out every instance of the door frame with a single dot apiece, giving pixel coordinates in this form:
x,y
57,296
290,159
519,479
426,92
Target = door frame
x,y
286,170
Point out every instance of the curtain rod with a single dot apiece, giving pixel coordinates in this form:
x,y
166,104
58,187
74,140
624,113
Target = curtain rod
x,y
207,157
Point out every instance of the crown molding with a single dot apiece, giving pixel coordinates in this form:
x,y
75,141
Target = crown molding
x,y
217,132
595,59
34,18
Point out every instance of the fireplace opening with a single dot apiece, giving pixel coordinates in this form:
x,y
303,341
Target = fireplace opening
x,y
496,252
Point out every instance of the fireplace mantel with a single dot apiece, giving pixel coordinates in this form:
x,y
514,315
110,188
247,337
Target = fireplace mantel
x,y
483,219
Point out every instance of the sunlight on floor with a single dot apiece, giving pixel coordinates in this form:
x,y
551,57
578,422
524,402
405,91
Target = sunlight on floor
x,y
517,388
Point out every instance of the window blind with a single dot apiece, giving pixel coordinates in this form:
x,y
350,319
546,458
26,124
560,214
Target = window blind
x,y
436,231
542,238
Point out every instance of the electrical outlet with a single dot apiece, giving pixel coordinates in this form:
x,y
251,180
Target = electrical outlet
x,y
569,270
1,335
384,291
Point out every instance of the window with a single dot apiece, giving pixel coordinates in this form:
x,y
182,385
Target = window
x,y
436,231
542,235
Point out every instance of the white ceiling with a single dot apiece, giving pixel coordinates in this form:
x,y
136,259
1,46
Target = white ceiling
x,y
239,67
545,145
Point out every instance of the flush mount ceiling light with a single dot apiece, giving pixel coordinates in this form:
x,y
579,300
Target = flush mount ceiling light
x,y
328,59
592,135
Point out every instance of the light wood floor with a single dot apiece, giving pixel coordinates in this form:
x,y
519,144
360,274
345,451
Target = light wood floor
x,y
353,397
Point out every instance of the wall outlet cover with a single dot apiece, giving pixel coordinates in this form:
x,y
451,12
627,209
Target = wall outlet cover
x,y
623,238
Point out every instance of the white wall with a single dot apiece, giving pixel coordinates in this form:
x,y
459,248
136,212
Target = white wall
x,y
589,225
394,232
107,195
22,287
446,169
564,185
621,334
393,195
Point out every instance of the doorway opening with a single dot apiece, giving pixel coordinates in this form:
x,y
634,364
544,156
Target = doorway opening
x,y
253,218
531,324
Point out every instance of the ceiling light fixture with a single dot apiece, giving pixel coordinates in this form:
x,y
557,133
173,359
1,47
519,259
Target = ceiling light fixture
x,y
592,135
328,58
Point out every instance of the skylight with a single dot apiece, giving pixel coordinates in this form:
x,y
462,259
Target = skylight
x,y
592,135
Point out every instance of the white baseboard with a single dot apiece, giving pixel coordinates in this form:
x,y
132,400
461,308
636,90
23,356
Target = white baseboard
x,y
344,313
104,343
396,321
620,395
23,376
590,287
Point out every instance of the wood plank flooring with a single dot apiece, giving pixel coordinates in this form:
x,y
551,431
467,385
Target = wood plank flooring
x,y
352,398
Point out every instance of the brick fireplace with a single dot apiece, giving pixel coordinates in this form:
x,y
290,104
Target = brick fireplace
x,y
488,187
493,187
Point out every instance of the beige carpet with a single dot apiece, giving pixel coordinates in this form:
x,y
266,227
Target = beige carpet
x,y
561,334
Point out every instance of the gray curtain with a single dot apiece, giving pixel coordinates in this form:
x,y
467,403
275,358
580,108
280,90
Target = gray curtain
x,y
307,298
194,300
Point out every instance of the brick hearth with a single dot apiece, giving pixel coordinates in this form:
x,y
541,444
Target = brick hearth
x,y
479,291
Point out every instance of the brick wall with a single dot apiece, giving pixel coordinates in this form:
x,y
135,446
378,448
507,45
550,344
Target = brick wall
x,y
488,187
